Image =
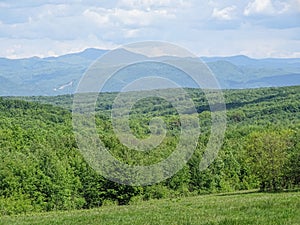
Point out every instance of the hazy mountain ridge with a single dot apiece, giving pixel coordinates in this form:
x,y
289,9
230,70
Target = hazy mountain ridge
x,y
49,76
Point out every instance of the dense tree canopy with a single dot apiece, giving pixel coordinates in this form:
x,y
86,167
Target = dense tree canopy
x,y
41,168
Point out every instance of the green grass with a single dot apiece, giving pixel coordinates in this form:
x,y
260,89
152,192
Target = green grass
x,y
237,208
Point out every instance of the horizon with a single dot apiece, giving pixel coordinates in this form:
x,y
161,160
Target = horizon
x,y
107,50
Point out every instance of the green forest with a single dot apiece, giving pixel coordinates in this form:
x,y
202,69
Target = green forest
x,y
42,169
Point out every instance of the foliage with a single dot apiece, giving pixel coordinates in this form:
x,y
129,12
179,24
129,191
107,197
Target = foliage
x,y
41,168
267,154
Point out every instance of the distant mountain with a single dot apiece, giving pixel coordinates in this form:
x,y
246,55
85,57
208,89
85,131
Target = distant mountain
x,y
44,76
61,75
244,72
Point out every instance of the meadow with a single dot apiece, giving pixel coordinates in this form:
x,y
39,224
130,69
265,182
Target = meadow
x,y
231,208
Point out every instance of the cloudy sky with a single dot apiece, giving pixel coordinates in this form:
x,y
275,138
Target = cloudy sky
x,y
257,28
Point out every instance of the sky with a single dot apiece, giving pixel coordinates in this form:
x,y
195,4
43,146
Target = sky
x,y
256,28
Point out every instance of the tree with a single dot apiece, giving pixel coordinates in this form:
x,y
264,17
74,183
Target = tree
x,y
267,155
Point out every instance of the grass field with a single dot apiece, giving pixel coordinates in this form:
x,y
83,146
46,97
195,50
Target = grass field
x,y
236,208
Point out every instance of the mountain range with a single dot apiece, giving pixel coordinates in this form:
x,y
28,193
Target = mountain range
x,y
61,75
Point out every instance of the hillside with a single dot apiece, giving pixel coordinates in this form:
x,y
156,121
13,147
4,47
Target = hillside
x,y
41,168
235,208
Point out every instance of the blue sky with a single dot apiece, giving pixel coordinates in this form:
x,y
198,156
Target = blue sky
x,y
257,28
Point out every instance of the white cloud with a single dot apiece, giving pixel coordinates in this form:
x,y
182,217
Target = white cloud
x,y
293,6
140,17
224,14
100,18
131,33
213,27
153,4
252,41
259,6
271,7
129,17
143,3
4,5
23,48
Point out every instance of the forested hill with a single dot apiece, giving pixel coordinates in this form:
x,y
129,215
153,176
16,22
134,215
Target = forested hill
x,y
61,75
41,168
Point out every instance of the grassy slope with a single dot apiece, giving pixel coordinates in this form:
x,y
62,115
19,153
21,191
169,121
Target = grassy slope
x,y
237,208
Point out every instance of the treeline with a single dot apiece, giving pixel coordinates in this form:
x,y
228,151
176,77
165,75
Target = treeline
x,y
42,169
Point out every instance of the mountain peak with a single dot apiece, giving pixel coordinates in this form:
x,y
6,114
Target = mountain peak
x,y
92,53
